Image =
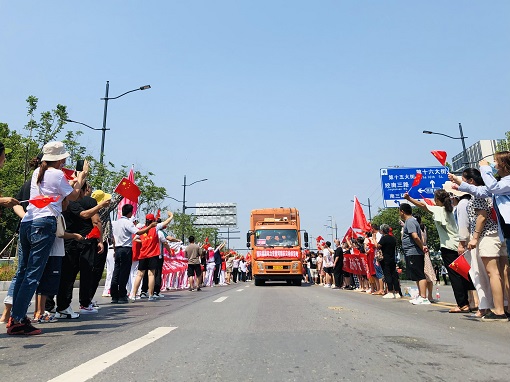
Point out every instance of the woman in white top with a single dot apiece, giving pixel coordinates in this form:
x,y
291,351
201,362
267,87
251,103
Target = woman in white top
x,y
38,229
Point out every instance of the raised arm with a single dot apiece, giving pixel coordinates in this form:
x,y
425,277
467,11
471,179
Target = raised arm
x,y
417,203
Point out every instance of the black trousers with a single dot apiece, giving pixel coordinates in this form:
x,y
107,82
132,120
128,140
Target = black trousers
x,y
235,272
121,272
390,275
459,284
337,274
79,257
158,273
217,270
98,269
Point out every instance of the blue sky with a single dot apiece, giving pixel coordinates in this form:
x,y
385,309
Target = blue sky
x,y
277,103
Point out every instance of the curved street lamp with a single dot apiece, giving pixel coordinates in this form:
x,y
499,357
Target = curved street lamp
x,y
106,99
184,196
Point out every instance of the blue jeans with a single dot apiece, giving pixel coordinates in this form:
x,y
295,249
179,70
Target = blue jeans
x,y
508,246
10,291
36,239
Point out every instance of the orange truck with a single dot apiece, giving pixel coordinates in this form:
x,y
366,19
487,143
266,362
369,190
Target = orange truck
x,y
275,242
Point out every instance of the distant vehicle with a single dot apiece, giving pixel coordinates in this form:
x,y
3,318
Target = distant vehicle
x,y
275,242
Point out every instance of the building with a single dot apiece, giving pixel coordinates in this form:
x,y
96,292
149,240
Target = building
x,y
484,149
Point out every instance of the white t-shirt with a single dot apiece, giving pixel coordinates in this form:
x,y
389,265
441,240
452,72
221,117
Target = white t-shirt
x,y
327,258
123,231
53,184
242,265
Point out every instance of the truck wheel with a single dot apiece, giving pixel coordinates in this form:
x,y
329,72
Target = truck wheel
x,y
259,282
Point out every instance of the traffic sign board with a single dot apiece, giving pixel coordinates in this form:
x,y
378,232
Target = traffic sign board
x,y
396,182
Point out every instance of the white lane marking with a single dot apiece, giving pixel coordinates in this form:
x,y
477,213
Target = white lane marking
x,y
93,367
221,299
239,290
247,286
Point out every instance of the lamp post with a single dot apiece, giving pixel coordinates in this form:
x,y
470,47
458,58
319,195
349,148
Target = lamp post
x,y
369,210
462,138
184,197
106,99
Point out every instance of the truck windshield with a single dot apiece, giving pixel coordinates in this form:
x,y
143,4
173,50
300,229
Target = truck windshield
x,y
276,238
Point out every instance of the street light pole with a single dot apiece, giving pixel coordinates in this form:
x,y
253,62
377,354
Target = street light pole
x,y
184,197
104,121
463,145
105,112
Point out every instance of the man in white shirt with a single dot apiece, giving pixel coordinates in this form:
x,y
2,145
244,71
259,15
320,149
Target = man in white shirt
x,y
123,231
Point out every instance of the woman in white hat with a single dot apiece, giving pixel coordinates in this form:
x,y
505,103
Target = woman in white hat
x,y
38,229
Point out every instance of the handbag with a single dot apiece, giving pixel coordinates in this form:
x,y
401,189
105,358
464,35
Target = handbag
x,y
379,255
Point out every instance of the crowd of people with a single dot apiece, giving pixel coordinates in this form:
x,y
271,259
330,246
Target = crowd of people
x,y
470,214
65,229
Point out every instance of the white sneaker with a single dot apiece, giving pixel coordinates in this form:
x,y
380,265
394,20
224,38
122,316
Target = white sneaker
x,y
327,285
389,295
420,301
397,296
87,310
67,313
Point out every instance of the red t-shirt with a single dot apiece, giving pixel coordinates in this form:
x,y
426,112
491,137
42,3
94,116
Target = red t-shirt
x,y
136,250
150,244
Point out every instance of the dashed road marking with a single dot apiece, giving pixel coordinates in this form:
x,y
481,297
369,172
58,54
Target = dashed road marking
x,y
221,299
239,290
93,367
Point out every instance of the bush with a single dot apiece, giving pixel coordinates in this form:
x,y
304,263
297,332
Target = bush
x,y
7,272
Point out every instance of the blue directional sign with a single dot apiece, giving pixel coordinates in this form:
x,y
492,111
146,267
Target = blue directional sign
x,y
396,182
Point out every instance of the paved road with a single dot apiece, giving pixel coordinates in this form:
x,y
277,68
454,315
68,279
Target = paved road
x,y
272,333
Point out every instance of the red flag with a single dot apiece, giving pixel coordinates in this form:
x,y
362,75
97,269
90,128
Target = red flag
x,y
94,234
461,266
440,156
68,173
41,201
349,234
158,215
359,220
206,244
130,191
430,202
417,179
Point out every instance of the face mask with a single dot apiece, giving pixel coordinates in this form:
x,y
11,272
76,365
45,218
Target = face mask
x,y
494,170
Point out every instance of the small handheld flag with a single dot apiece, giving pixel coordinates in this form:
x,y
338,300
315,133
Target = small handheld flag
x,y
128,189
440,156
94,234
41,201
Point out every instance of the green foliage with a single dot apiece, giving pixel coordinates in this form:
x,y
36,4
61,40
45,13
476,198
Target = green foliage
x,y
182,227
504,144
47,128
7,271
391,217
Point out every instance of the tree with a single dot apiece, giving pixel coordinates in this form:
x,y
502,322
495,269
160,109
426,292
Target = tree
x,y
182,227
48,127
504,144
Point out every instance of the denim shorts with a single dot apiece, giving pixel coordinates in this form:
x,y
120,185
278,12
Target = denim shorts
x,y
50,280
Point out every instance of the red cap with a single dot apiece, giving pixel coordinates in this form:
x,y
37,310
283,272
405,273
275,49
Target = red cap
x,y
150,217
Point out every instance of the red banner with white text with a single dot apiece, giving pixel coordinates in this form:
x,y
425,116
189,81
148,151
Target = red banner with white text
x,y
356,264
